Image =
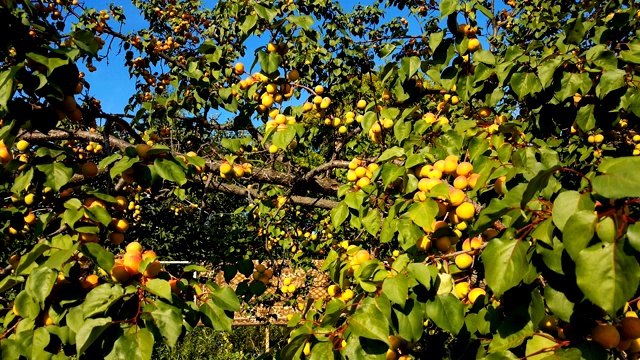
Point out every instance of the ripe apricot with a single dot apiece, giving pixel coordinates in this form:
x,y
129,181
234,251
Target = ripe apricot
x,y
30,218
89,169
464,261
131,262
461,182
606,335
464,168
87,238
548,324
456,196
142,150
443,243
462,289
465,211
361,256
90,281
119,225
630,327
475,293
119,273
239,68
116,238
153,269
474,45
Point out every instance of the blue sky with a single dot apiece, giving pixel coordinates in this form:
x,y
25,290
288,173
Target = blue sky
x,y
111,83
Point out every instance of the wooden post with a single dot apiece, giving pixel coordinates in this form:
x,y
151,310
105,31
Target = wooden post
x,y
266,339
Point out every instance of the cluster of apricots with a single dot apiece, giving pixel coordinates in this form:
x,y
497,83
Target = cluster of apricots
x,y
624,335
270,92
68,108
128,265
470,32
360,174
52,8
235,171
342,125
287,286
118,226
262,273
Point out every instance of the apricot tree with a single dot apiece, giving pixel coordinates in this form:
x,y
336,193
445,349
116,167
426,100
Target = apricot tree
x,y
467,173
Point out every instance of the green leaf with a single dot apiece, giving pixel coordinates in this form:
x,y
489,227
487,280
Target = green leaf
x,y
293,350
633,234
372,221
264,12
85,40
100,299
505,263
10,281
304,21
170,170
39,342
98,213
40,283
7,87
586,119
269,62
608,274
447,7
446,311
396,288
567,204
536,184
423,213
558,303
410,320
282,139
339,215
136,344
541,345
27,262
122,165
51,63
57,174
89,332
102,257
198,268
525,83
609,81
547,69
159,287
620,179
484,56
22,181
578,232
368,323
26,305
168,319
391,153
390,172
224,298
511,333
215,317
425,274
410,65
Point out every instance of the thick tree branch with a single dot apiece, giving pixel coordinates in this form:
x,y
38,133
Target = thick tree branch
x,y
297,200
77,134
